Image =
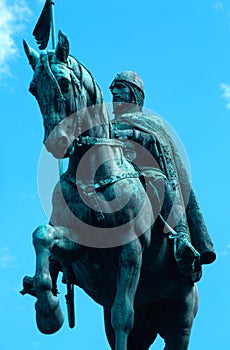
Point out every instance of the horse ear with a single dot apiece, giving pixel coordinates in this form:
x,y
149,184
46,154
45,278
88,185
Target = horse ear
x,y
33,56
62,49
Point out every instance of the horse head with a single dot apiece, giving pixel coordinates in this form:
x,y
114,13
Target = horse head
x,y
63,87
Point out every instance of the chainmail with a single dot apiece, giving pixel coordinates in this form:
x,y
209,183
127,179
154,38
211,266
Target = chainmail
x,y
137,93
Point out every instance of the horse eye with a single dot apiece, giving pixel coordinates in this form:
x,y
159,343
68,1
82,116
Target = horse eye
x,y
64,84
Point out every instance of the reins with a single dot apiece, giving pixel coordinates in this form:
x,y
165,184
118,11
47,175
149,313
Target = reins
x,y
79,102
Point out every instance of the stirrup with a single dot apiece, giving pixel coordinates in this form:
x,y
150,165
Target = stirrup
x,y
28,286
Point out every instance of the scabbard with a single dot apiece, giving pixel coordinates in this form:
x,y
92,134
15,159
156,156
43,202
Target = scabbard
x,y
70,304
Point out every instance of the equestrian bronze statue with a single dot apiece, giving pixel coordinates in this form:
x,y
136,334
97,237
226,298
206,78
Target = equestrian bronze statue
x,y
106,231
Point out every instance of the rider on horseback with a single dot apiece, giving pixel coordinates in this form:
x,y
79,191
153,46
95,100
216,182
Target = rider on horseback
x,y
164,176
143,132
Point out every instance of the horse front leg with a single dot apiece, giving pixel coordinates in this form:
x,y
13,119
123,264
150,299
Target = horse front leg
x,y
122,312
49,315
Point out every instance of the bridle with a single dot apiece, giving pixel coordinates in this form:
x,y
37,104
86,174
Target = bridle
x,y
79,97
80,103
76,83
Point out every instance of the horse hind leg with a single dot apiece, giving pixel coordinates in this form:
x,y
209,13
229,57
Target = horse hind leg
x,y
49,316
178,320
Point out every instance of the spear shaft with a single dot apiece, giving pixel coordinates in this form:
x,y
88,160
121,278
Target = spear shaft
x,y
51,3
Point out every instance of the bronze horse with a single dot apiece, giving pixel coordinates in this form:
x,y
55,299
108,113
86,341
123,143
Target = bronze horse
x,y
102,229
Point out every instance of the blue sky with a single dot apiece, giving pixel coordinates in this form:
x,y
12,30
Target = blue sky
x,y
182,51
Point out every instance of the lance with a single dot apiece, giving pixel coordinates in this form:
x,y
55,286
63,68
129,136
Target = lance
x,y
41,33
51,2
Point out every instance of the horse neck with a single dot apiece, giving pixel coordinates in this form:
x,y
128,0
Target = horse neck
x,y
93,162
93,116
93,121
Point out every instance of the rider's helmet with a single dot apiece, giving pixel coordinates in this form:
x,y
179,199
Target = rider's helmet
x,y
134,81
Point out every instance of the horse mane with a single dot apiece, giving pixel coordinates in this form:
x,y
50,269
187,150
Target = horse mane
x,y
80,69
88,82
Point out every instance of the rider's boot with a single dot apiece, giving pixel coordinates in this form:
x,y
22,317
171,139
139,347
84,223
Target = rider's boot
x,y
173,216
187,258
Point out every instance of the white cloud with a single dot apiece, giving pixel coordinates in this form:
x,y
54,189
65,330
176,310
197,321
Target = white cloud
x,y
13,17
6,259
226,93
218,5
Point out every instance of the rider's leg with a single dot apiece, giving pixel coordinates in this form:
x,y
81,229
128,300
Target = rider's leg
x,y
169,207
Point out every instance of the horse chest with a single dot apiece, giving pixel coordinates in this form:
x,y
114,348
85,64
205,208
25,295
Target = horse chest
x,y
97,276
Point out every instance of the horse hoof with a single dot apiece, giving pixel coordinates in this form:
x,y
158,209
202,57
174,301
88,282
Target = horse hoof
x,y
50,324
49,319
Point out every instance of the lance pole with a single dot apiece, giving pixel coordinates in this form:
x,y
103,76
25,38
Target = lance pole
x,y
52,3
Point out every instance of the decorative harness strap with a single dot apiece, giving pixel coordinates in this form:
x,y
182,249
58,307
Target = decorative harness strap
x,y
93,141
89,189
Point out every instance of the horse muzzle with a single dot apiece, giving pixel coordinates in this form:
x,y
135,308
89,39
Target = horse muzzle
x,y
59,144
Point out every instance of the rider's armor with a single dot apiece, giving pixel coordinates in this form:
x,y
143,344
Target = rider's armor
x,y
145,152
